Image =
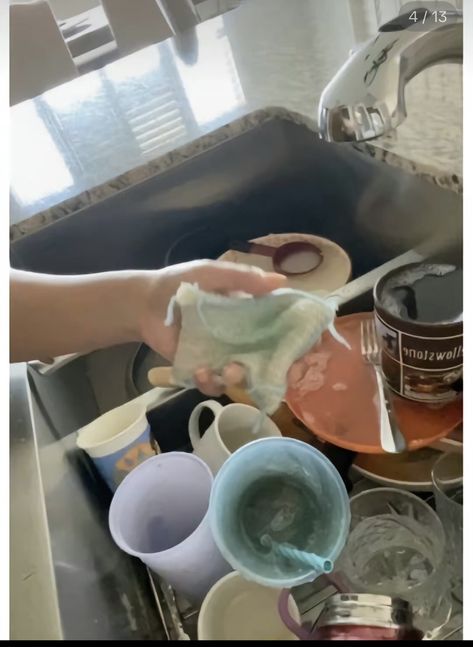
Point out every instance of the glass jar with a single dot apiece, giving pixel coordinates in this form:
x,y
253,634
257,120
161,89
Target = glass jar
x,y
397,548
350,616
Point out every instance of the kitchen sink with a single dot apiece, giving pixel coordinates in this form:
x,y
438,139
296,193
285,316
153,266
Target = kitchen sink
x,y
278,177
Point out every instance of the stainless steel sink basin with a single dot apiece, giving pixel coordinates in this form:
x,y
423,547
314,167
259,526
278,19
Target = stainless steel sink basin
x,y
277,178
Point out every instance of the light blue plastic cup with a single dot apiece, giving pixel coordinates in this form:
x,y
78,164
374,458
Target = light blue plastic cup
x,y
320,524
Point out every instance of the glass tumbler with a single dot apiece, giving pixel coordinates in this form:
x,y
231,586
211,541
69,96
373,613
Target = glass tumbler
x,y
397,547
447,479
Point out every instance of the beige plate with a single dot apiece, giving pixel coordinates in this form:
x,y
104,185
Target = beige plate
x,y
333,273
410,471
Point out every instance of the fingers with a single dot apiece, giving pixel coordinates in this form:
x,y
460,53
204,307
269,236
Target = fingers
x,y
214,385
257,285
234,374
228,277
208,382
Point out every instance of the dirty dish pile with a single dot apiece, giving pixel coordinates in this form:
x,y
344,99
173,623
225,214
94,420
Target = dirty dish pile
x,y
274,509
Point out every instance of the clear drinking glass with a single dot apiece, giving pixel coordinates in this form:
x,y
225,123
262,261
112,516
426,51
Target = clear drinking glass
x,y
397,547
447,479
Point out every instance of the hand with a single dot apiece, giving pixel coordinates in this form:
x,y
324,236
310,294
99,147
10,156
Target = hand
x,y
211,276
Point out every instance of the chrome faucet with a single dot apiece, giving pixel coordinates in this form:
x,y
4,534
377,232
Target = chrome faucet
x,y
365,99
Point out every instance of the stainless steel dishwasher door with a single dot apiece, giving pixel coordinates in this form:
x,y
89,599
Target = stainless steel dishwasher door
x,y
102,593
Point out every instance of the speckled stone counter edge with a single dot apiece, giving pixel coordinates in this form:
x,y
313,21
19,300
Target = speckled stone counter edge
x,y
173,158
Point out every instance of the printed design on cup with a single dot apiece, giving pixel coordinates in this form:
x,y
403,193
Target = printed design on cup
x,y
443,352
389,338
116,466
133,457
419,367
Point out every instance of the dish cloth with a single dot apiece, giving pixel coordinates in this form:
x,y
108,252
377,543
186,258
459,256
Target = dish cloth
x,y
265,334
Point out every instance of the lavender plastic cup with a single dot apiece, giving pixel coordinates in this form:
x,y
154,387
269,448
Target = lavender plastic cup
x,y
159,514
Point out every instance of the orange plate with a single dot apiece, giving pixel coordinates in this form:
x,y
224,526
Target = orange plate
x,y
348,418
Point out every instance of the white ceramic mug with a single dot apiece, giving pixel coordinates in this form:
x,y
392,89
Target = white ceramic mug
x,y
236,609
234,425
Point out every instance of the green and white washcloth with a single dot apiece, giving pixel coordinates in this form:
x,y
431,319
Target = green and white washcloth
x,y
265,334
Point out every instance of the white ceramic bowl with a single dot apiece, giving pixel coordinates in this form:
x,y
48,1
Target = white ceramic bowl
x,y
237,609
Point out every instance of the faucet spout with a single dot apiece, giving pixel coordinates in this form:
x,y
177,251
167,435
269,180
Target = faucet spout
x,y
365,99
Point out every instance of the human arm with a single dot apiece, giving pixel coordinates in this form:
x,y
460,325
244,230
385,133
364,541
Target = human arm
x,y
54,315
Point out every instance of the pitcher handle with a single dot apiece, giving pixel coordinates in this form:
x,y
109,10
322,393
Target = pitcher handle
x,y
291,624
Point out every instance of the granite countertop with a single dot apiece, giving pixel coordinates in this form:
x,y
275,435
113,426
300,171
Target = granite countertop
x,y
109,129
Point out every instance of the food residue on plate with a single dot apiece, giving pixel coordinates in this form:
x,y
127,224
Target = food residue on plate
x,y
308,417
308,373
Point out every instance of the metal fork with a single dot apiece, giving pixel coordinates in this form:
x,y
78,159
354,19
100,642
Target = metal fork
x,y
392,440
